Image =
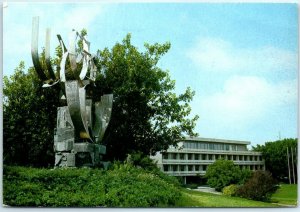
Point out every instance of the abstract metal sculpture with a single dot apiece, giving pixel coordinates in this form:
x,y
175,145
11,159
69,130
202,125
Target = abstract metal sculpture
x,y
80,123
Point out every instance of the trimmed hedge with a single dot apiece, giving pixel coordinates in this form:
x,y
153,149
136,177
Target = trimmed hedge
x,y
122,186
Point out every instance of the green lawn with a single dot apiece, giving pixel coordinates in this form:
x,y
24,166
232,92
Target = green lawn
x,y
286,194
200,199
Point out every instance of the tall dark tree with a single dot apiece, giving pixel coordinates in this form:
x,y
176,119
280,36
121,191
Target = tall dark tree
x,y
275,155
29,119
147,115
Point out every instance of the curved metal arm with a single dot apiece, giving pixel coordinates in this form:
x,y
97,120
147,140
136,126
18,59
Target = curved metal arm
x,y
102,116
47,54
34,49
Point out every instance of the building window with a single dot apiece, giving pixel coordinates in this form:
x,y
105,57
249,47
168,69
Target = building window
x,y
174,156
203,157
251,158
181,156
209,157
182,168
196,156
241,157
197,167
234,157
190,156
234,147
165,155
194,145
190,168
204,167
166,168
174,168
226,147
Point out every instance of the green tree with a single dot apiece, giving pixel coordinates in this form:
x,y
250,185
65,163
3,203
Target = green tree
x,y
223,173
275,156
29,114
147,115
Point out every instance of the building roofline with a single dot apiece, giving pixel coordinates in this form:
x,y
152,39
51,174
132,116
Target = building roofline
x,y
215,140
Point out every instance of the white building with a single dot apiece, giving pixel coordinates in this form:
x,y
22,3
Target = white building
x,y
193,155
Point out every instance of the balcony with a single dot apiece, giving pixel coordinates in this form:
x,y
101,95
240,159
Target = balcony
x,y
185,173
208,162
207,151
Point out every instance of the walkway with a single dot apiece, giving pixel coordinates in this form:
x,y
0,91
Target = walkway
x,y
207,190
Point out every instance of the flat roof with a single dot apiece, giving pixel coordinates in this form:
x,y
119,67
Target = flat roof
x,y
215,140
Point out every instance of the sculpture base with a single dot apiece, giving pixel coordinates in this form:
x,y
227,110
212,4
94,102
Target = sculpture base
x,y
82,155
71,152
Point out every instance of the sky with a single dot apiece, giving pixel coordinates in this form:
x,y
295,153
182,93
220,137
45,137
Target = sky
x,y
240,59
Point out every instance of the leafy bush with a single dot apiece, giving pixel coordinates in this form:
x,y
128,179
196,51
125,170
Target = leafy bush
x,y
138,159
121,186
230,190
223,173
259,187
244,176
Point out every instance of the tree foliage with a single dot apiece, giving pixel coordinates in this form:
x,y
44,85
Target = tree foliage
x,y
147,114
223,173
275,155
29,114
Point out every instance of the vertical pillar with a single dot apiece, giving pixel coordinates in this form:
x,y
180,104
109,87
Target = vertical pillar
x,y
288,159
293,165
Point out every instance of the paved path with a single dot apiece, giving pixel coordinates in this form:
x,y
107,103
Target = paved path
x,y
207,190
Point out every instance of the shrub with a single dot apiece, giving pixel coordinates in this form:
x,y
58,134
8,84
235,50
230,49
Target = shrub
x,y
138,159
244,176
122,186
230,190
259,187
222,173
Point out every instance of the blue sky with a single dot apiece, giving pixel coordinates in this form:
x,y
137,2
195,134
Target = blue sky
x,y
241,59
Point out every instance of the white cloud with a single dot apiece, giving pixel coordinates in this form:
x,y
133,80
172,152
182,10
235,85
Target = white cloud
x,y
218,55
244,101
61,18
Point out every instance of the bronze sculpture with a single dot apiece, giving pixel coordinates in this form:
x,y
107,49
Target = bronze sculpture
x,y
81,124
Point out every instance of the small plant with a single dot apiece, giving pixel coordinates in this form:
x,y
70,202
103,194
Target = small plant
x,y
259,187
230,190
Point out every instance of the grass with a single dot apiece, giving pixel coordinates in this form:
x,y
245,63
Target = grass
x,y
286,195
191,198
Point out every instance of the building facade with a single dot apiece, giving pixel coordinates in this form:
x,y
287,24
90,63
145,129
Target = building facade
x,y
193,155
